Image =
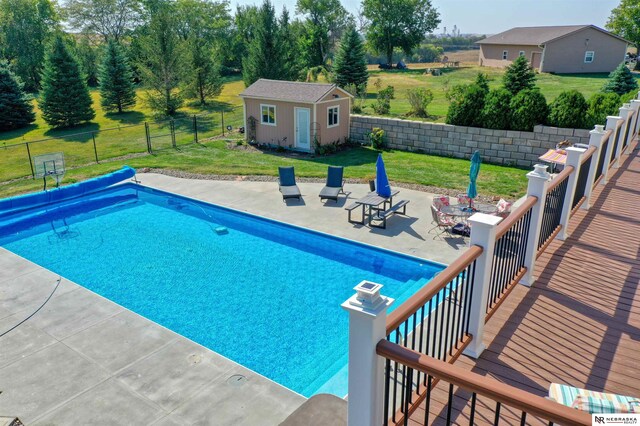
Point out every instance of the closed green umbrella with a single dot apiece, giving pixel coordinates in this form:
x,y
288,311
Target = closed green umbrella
x,y
472,190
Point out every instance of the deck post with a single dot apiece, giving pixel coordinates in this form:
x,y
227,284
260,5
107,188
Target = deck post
x,y
539,180
635,105
367,326
595,139
483,234
626,112
613,123
574,158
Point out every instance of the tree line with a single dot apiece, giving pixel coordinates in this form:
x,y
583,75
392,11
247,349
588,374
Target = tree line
x,y
181,49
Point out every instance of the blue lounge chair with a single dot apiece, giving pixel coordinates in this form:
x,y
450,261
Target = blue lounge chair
x,y
335,184
287,183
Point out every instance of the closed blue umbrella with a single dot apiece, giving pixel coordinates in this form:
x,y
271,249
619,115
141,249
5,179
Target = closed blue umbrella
x,y
382,181
472,190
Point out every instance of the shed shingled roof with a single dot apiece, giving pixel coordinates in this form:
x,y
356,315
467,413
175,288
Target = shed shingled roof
x,y
293,91
536,36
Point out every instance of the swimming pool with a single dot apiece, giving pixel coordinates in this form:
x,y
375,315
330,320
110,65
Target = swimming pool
x,y
262,293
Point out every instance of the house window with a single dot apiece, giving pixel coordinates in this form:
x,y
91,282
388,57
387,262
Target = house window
x,y
588,56
521,53
505,53
333,116
268,114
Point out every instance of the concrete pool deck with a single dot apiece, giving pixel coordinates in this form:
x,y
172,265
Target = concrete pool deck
x,y
82,359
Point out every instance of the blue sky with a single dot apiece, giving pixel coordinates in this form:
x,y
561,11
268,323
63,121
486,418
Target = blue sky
x,y
494,16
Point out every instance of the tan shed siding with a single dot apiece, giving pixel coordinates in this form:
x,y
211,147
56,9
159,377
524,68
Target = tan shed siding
x,y
339,132
566,55
284,127
330,96
491,54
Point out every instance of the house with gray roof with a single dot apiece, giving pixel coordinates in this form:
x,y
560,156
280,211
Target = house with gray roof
x,y
556,49
296,115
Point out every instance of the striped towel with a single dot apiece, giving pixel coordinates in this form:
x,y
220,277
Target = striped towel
x,y
556,156
593,402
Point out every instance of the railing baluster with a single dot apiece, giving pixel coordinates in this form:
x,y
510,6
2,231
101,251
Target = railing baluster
x,y
450,404
407,398
427,405
523,418
386,391
473,408
496,419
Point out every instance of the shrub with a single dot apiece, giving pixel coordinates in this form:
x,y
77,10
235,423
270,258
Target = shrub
x,y
627,97
496,113
568,110
376,137
382,104
467,102
528,108
482,80
621,81
419,99
600,106
359,97
519,76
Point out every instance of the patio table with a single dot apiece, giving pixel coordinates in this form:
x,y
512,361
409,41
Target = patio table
x,y
463,211
372,200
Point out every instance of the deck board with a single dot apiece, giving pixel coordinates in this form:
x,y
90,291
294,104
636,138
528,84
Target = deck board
x,y
579,323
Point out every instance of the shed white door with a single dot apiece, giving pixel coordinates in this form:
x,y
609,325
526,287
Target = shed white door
x,y
302,123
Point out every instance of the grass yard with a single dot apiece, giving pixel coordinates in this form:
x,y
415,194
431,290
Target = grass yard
x,y
216,157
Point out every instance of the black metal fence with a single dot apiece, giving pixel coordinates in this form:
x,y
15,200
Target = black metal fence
x,y
148,137
612,157
581,184
508,258
552,210
602,160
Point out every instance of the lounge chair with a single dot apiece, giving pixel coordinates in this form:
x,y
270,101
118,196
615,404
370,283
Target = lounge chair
x,y
287,183
593,402
335,184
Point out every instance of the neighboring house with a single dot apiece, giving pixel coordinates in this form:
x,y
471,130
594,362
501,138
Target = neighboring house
x,y
562,50
296,115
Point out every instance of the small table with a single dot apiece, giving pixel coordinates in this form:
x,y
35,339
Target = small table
x,y
373,200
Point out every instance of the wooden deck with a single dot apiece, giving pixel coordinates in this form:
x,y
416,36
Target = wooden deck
x,y
579,324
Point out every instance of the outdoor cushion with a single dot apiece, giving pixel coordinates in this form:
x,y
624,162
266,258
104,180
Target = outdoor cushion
x,y
329,192
503,206
290,191
464,199
287,176
334,176
595,405
567,395
440,201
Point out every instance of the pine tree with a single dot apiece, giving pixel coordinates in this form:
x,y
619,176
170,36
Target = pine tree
x,y
16,110
117,90
621,81
519,76
350,63
289,47
64,98
264,57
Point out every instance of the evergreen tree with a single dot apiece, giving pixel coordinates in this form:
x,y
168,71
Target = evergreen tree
x,y
16,110
264,57
350,65
64,98
482,81
117,91
519,76
621,81
496,113
290,48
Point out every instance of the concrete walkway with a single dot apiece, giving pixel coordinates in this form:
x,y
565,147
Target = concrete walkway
x,y
82,359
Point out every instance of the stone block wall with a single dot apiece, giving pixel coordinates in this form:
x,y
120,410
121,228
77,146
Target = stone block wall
x,y
507,147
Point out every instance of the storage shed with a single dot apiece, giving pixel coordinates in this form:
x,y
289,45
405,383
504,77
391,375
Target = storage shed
x,y
296,115
556,49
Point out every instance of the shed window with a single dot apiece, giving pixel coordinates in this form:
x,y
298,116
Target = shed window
x,y
588,56
505,53
521,53
268,114
333,118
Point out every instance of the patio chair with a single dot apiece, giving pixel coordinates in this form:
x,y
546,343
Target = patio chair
x,y
593,402
441,222
335,184
465,200
287,183
439,201
503,208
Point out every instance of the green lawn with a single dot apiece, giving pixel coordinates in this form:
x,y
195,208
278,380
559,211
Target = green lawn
x,y
215,157
550,85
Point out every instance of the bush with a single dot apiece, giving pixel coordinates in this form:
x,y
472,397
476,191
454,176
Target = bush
x,y
376,137
383,100
528,108
419,99
467,103
519,76
359,97
627,97
600,106
569,110
621,81
482,80
496,113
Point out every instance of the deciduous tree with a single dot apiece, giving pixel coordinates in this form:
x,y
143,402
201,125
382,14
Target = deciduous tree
x,y
16,110
64,98
109,18
625,22
325,22
398,24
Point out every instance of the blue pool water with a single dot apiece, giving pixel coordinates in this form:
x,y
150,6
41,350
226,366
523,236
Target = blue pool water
x,y
264,294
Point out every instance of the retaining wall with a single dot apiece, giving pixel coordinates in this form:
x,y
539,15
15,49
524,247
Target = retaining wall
x,y
508,147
